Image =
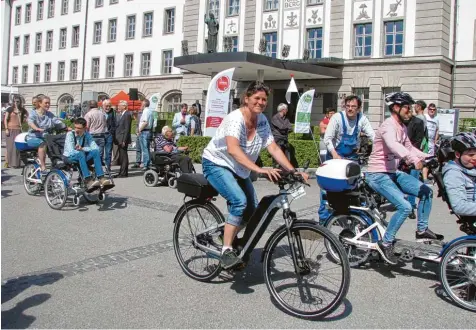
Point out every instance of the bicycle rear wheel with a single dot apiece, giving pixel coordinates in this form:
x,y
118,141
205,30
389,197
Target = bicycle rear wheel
x,y
320,285
198,224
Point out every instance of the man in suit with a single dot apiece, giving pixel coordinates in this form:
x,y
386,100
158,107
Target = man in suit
x,y
123,137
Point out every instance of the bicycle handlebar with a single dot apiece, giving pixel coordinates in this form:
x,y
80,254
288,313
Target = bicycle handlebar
x,y
430,162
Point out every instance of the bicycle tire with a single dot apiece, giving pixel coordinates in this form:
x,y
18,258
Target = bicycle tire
x,y
345,278
444,274
180,218
31,188
48,181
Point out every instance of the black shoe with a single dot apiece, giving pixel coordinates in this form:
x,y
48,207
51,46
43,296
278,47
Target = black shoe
x,y
229,258
412,215
135,166
428,235
387,253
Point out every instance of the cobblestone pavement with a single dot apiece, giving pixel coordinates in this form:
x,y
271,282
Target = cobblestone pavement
x,y
112,265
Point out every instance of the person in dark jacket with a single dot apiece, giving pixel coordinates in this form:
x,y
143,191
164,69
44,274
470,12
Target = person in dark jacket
x,y
110,132
416,130
281,127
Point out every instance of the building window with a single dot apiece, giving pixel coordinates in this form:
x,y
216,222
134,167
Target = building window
x,y
363,40
169,20
314,2
145,64
233,7
97,32
110,67
39,13
49,40
173,102
28,13
99,3
51,8
24,76
148,23
363,94
214,7
61,69
131,27
128,65
77,5
167,62
95,68
385,91
113,2
73,71
47,72
112,31
16,46
36,73
393,38
38,42
314,42
15,75
271,5
64,7
75,37
231,44
272,44
18,15
63,36
26,44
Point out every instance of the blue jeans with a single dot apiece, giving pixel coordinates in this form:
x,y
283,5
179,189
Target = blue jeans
x,y
144,139
108,144
416,174
82,158
138,151
239,193
99,139
394,186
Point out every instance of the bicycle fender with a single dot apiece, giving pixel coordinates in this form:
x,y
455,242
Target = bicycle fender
x,y
462,238
277,231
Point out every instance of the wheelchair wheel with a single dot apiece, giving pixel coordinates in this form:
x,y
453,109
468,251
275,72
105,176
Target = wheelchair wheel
x,y
32,188
56,191
458,273
151,178
90,198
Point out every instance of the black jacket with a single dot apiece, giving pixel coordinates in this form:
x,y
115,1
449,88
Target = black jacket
x,y
280,127
416,131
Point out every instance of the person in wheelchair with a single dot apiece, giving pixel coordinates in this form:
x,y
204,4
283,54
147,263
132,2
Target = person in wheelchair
x,y
80,148
164,143
42,121
459,177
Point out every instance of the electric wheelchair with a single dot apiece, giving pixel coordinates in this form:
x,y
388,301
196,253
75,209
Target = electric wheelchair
x,y
163,170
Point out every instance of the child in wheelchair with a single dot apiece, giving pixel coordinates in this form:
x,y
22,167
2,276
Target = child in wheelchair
x,y
80,148
459,178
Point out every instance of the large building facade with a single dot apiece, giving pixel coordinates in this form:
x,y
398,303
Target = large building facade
x,y
424,47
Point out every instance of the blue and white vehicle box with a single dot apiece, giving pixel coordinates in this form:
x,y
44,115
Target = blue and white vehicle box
x,y
337,175
21,144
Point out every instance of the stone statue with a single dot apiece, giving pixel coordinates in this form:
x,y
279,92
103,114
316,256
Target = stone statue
x,y
213,26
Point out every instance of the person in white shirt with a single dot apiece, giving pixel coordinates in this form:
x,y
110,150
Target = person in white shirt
x,y
432,124
144,133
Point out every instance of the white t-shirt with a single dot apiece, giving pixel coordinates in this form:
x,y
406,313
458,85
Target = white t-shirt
x,y
234,125
432,124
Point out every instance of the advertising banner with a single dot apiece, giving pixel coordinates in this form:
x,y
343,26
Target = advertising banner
x,y
302,123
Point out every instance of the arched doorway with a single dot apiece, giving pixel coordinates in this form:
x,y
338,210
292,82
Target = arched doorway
x,y
66,103
102,96
171,101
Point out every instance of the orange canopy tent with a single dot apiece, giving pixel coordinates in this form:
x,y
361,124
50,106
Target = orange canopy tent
x,y
123,96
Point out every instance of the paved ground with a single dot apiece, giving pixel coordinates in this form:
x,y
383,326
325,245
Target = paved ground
x,y
112,265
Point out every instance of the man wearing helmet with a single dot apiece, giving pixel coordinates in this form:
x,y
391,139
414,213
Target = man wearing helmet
x,y
459,175
390,145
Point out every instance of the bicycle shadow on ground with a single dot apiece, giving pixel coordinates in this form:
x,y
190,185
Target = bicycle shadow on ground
x,y
419,268
252,274
8,193
15,318
110,204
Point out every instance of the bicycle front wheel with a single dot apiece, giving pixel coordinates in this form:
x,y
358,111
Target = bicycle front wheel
x,y
310,285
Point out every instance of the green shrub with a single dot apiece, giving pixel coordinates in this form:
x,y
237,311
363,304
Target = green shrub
x,y
303,150
466,123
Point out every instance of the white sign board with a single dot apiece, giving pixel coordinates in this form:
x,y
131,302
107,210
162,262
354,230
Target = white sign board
x,y
448,119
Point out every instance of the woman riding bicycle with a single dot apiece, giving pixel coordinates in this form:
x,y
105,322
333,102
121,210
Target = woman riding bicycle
x,y
230,157
40,121
390,145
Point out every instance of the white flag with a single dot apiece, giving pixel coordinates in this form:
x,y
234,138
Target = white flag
x,y
292,88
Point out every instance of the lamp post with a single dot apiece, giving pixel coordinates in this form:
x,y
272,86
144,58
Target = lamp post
x,y
84,49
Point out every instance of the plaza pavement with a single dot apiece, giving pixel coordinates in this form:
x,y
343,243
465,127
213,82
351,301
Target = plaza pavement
x,y
112,265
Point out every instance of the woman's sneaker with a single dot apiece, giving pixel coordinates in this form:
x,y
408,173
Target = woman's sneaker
x,y
229,258
427,236
387,252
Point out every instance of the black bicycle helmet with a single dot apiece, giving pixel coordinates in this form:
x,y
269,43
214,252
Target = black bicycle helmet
x,y
463,141
399,98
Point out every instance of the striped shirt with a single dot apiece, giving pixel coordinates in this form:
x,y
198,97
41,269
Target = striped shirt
x,y
161,142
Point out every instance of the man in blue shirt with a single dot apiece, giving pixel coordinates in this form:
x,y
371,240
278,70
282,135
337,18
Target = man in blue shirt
x,y
80,148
